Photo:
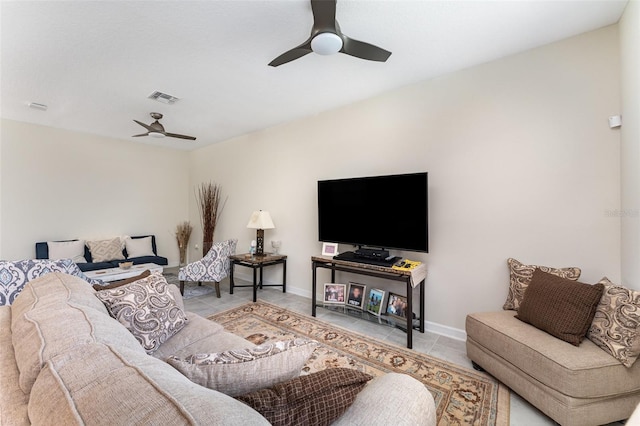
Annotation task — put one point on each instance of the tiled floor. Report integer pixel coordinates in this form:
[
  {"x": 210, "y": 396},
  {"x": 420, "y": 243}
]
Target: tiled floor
[{"x": 521, "y": 413}]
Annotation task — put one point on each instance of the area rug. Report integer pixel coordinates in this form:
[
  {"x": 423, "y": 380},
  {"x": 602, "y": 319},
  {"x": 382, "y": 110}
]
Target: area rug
[
  {"x": 191, "y": 289},
  {"x": 462, "y": 396}
]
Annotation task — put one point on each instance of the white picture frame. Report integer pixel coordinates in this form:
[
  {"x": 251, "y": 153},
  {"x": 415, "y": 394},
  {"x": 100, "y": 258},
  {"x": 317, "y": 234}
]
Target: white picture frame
[
  {"x": 334, "y": 293},
  {"x": 329, "y": 249},
  {"x": 375, "y": 301}
]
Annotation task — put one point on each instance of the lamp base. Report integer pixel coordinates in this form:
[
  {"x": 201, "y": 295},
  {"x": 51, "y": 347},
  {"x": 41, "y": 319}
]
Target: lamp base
[{"x": 260, "y": 242}]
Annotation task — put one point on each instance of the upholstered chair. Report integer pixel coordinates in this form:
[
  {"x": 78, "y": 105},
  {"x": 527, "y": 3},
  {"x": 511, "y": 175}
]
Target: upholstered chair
[
  {"x": 213, "y": 267},
  {"x": 15, "y": 274}
]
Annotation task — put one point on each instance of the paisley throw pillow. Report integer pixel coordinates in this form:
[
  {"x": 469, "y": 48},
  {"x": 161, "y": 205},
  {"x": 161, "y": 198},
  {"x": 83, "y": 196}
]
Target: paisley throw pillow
[
  {"x": 616, "y": 325},
  {"x": 147, "y": 309}
]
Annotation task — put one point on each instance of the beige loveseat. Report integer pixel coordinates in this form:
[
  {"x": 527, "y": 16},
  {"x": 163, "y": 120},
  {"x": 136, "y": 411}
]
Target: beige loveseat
[
  {"x": 64, "y": 360},
  {"x": 574, "y": 385}
]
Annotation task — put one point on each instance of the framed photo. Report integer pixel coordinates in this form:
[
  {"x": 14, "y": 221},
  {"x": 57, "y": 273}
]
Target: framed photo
[
  {"x": 329, "y": 249},
  {"x": 374, "y": 301},
  {"x": 355, "y": 296},
  {"x": 397, "y": 305},
  {"x": 335, "y": 293}
]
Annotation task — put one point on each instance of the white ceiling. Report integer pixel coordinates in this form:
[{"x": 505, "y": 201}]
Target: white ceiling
[{"x": 95, "y": 62}]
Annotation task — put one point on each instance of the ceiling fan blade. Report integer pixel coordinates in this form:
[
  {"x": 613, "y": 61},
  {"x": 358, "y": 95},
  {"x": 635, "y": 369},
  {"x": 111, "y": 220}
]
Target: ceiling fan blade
[
  {"x": 146, "y": 126},
  {"x": 363, "y": 50},
  {"x": 324, "y": 14},
  {"x": 175, "y": 135},
  {"x": 142, "y": 134},
  {"x": 293, "y": 54}
]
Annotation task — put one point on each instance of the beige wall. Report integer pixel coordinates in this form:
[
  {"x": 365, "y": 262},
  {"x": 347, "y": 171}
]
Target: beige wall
[
  {"x": 520, "y": 158},
  {"x": 630, "y": 132},
  {"x": 58, "y": 184}
]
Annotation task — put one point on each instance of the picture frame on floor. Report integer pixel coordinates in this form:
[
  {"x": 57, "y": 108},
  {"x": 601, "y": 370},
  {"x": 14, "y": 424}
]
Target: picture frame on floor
[
  {"x": 397, "y": 306},
  {"x": 375, "y": 301},
  {"x": 356, "y": 295},
  {"x": 335, "y": 293}
]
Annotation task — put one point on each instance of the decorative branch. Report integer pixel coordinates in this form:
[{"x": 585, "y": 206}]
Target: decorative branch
[
  {"x": 183, "y": 233},
  {"x": 208, "y": 196}
]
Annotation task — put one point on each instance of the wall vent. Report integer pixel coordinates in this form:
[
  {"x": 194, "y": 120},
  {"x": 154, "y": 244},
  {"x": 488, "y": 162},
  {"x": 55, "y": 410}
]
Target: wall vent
[{"x": 163, "y": 97}]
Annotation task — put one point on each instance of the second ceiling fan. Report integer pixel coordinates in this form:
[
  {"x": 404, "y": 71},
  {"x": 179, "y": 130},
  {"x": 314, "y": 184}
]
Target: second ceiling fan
[{"x": 326, "y": 38}]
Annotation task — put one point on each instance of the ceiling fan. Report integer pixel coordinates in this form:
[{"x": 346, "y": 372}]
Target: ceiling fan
[
  {"x": 156, "y": 129},
  {"x": 327, "y": 39}
]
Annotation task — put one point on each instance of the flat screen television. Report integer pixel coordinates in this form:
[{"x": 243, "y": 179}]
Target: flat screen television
[{"x": 386, "y": 212}]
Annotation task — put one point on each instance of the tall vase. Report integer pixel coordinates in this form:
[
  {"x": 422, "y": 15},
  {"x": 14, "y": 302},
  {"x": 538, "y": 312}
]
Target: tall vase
[
  {"x": 183, "y": 254},
  {"x": 206, "y": 246}
]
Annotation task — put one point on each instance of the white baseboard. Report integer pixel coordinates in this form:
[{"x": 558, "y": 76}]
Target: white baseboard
[
  {"x": 432, "y": 327},
  {"x": 445, "y": 330}
]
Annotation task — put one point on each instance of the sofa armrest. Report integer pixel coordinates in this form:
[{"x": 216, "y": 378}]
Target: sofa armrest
[{"x": 391, "y": 399}]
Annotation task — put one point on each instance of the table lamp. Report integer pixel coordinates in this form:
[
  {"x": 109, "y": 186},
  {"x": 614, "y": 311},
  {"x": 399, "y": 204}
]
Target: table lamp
[{"x": 260, "y": 220}]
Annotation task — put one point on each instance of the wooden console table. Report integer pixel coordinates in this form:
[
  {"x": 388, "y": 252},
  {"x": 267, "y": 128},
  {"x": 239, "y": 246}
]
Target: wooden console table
[
  {"x": 256, "y": 262},
  {"x": 374, "y": 271}
]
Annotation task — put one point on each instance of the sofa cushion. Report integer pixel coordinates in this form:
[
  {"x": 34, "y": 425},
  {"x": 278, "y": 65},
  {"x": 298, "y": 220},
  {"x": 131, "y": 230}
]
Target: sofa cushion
[
  {"x": 200, "y": 336},
  {"x": 158, "y": 260},
  {"x": 584, "y": 371},
  {"x": 57, "y": 312},
  {"x": 313, "y": 400},
  {"x": 96, "y": 266},
  {"x": 101, "y": 385},
  {"x": 13, "y": 402},
  {"x": 73, "y": 250},
  {"x": 520, "y": 275},
  {"x": 561, "y": 307},
  {"x": 106, "y": 250},
  {"x": 139, "y": 247},
  {"x": 147, "y": 309},
  {"x": 616, "y": 324},
  {"x": 235, "y": 372}
]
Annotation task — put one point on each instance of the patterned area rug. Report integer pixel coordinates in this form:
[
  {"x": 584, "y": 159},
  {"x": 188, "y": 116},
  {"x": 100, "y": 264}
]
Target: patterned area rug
[
  {"x": 462, "y": 396},
  {"x": 191, "y": 290}
]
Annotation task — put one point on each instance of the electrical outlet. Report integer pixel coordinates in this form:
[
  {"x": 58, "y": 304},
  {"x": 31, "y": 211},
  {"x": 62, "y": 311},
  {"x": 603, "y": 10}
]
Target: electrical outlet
[{"x": 196, "y": 247}]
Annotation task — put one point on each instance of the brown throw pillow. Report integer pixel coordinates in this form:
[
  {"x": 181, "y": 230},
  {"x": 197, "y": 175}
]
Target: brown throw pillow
[
  {"x": 561, "y": 307},
  {"x": 116, "y": 284},
  {"x": 313, "y": 400}
]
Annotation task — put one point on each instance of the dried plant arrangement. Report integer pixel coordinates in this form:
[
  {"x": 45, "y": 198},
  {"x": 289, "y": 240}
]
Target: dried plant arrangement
[
  {"x": 183, "y": 233},
  {"x": 208, "y": 196}
]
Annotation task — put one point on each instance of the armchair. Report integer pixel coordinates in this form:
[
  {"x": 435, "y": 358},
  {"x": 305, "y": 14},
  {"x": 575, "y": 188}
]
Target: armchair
[{"x": 213, "y": 267}]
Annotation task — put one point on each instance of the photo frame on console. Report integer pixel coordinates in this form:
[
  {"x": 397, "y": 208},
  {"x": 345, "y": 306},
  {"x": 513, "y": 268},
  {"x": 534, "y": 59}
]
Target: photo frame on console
[
  {"x": 329, "y": 249},
  {"x": 375, "y": 301},
  {"x": 397, "y": 306},
  {"x": 335, "y": 294},
  {"x": 356, "y": 295}
]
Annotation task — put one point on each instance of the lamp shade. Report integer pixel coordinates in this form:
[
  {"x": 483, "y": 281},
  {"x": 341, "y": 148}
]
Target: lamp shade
[{"x": 260, "y": 220}]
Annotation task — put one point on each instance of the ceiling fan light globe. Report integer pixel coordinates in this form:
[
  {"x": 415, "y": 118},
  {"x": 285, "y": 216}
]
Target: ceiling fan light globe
[
  {"x": 326, "y": 44},
  {"x": 156, "y": 135}
]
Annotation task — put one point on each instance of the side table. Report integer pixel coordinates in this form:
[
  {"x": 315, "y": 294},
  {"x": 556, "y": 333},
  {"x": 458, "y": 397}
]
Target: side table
[{"x": 258, "y": 262}]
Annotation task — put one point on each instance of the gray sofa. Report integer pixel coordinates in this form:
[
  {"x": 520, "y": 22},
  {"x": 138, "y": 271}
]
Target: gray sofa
[
  {"x": 574, "y": 385},
  {"x": 65, "y": 360}
]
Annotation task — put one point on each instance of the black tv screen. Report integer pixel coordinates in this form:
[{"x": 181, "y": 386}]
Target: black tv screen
[{"x": 380, "y": 212}]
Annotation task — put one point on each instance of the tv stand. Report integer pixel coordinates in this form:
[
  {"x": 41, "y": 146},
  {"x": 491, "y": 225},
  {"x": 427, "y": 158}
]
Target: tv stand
[{"x": 374, "y": 271}]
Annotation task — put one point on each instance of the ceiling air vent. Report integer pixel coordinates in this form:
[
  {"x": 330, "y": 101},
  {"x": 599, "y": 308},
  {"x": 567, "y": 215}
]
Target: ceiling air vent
[{"x": 163, "y": 97}]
